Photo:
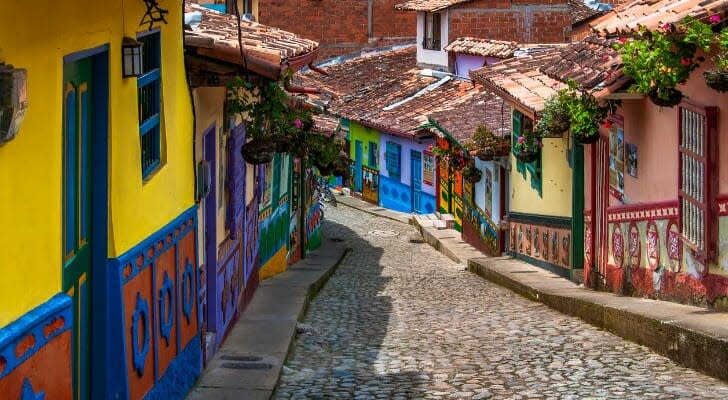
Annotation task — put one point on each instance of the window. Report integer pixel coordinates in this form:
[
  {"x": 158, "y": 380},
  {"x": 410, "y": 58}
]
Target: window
[
  {"x": 522, "y": 123},
  {"x": 373, "y": 155},
  {"x": 697, "y": 180},
  {"x": 431, "y": 40},
  {"x": 150, "y": 99},
  {"x": 394, "y": 151}
]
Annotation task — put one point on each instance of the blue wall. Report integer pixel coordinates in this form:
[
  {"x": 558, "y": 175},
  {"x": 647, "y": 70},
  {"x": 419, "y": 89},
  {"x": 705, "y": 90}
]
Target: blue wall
[{"x": 394, "y": 195}]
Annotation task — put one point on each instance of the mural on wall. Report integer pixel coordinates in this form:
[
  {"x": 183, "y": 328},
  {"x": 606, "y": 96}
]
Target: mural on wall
[
  {"x": 428, "y": 168},
  {"x": 616, "y": 157},
  {"x": 646, "y": 256},
  {"x": 541, "y": 242},
  {"x": 273, "y": 227},
  {"x": 488, "y": 192},
  {"x": 480, "y": 231}
]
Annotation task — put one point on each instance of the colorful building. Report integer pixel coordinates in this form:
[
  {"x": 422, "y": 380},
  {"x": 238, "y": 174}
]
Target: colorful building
[
  {"x": 100, "y": 291},
  {"x": 655, "y": 226},
  {"x": 245, "y": 210},
  {"x": 477, "y": 207},
  {"x": 546, "y": 201}
]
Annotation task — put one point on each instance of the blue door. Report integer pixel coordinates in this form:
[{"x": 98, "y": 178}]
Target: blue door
[
  {"x": 210, "y": 226},
  {"x": 358, "y": 173},
  {"x": 416, "y": 176}
]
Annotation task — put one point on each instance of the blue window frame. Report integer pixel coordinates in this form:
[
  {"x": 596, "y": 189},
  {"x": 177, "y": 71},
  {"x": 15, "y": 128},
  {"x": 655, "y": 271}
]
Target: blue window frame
[
  {"x": 394, "y": 152},
  {"x": 150, "y": 100},
  {"x": 373, "y": 155}
]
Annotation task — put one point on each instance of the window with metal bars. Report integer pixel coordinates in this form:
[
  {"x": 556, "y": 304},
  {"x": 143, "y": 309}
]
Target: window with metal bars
[
  {"x": 150, "y": 99},
  {"x": 697, "y": 179}
]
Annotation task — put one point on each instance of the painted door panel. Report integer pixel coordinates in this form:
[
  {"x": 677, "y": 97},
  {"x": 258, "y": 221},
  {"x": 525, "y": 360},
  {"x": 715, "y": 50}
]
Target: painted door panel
[
  {"x": 210, "y": 229},
  {"x": 358, "y": 173},
  {"x": 76, "y": 200},
  {"x": 416, "y": 176}
]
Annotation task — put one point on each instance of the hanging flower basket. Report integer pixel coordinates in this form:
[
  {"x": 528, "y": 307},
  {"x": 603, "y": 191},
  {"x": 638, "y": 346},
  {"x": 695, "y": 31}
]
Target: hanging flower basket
[
  {"x": 259, "y": 151},
  {"x": 589, "y": 139},
  {"x": 716, "y": 80},
  {"x": 527, "y": 155},
  {"x": 472, "y": 174},
  {"x": 499, "y": 149},
  {"x": 671, "y": 97}
]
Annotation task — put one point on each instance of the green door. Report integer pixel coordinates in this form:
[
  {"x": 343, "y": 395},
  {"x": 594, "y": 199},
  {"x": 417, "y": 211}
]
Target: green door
[{"x": 76, "y": 208}]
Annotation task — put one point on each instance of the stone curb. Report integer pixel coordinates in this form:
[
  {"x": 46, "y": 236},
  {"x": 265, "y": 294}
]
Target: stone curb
[{"x": 691, "y": 348}]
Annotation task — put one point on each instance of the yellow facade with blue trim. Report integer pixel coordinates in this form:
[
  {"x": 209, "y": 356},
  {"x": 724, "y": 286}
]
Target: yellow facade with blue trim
[{"x": 139, "y": 227}]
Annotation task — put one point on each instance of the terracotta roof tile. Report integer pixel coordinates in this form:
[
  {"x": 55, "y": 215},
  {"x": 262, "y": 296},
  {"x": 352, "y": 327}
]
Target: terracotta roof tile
[
  {"x": 581, "y": 12},
  {"x": 216, "y": 36},
  {"x": 629, "y": 17},
  {"x": 482, "y": 47},
  {"x": 530, "y": 80},
  {"x": 387, "y": 92},
  {"x": 487, "y": 109},
  {"x": 427, "y": 5}
]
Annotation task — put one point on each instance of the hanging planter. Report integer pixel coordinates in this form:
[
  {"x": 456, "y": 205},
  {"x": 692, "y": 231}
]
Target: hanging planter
[
  {"x": 527, "y": 155},
  {"x": 555, "y": 119},
  {"x": 258, "y": 151},
  {"x": 669, "y": 97},
  {"x": 586, "y": 139},
  {"x": 472, "y": 174},
  {"x": 716, "y": 80}
]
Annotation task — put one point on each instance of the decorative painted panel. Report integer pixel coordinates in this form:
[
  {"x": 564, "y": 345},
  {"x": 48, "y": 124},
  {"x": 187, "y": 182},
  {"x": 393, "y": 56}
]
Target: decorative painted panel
[
  {"x": 35, "y": 352},
  {"x": 159, "y": 308},
  {"x": 542, "y": 240},
  {"x": 480, "y": 231},
  {"x": 370, "y": 190},
  {"x": 654, "y": 263},
  {"x": 395, "y": 195}
]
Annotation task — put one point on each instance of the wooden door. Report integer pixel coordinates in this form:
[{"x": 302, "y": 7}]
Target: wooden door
[{"x": 76, "y": 210}]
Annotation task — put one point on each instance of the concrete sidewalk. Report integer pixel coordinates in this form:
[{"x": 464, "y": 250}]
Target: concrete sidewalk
[
  {"x": 691, "y": 336},
  {"x": 249, "y": 363},
  {"x": 373, "y": 209}
]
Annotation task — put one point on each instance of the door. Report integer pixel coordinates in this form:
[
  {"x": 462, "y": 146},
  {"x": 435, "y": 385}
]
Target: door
[
  {"x": 210, "y": 225},
  {"x": 600, "y": 193},
  {"x": 416, "y": 177},
  {"x": 358, "y": 172},
  {"x": 77, "y": 213}
]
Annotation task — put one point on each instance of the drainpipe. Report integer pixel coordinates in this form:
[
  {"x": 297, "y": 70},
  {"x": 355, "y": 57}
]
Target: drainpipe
[
  {"x": 299, "y": 89},
  {"x": 370, "y": 12}
]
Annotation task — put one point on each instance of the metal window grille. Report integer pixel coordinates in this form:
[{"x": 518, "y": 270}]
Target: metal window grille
[
  {"x": 149, "y": 100},
  {"x": 393, "y": 159},
  {"x": 431, "y": 40},
  {"x": 697, "y": 150}
]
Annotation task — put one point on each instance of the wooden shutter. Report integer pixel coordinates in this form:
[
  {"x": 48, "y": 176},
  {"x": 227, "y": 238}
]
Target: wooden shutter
[
  {"x": 697, "y": 179},
  {"x": 393, "y": 159}
]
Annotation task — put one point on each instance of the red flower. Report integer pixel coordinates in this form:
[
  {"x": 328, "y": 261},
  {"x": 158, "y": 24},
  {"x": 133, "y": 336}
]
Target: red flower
[
  {"x": 607, "y": 124},
  {"x": 605, "y": 58},
  {"x": 666, "y": 27},
  {"x": 622, "y": 40},
  {"x": 686, "y": 62}
]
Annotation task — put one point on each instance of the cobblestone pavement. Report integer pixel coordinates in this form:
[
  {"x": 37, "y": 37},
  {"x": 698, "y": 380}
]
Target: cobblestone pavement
[{"x": 398, "y": 320}]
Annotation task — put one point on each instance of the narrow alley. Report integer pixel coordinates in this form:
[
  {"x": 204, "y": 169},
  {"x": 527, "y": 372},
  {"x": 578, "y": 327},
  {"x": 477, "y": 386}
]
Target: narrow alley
[{"x": 400, "y": 320}]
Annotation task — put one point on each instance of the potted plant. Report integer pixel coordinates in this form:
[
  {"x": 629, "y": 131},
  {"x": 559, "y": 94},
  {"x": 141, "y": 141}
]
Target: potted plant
[
  {"x": 472, "y": 174},
  {"x": 486, "y": 145},
  {"x": 323, "y": 152},
  {"x": 711, "y": 40},
  {"x": 554, "y": 117},
  {"x": 585, "y": 113},
  {"x": 272, "y": 124},
  {"x": 453, "y": 156},
  {"x": 658, "y": 61},
  {"x": 527, "y": 147}
]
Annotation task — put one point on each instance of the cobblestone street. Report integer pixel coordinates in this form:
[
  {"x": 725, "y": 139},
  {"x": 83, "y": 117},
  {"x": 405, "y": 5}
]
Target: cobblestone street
[{"x": 400, "y": 320}]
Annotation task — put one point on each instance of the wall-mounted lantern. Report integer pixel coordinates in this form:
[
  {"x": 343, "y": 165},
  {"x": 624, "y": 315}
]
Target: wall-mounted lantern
[
  {"x": 13, "y": 101},
  {"x": 131, "y": 57}
]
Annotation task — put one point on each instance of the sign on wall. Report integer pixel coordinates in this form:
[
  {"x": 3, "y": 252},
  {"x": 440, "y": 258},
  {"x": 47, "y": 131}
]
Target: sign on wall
[{"x": 428, "y": 163}]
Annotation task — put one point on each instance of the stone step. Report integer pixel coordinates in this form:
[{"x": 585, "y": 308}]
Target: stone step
[{"x": 439, "y": 224}]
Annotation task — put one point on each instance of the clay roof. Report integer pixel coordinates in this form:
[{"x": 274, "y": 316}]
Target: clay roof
[
  {"x": 427, "y": 5},
  {"x": 267, "y": 50},
  {"x": 482, "y": 47},
  {"x": 325, "y": 124},
  {"x": 388, "y": 92},
  {"x": 484, "y": 110},
  {"x": 530, "y": 80},
  {"x": 629, "y": 17},
  {"x": 581, "y": 12}
]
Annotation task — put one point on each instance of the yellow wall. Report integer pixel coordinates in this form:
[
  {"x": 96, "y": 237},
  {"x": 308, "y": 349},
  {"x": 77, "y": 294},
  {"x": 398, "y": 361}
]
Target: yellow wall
[
  {"x": 366, "y": 135},
  {"x": 275, "y": 265},
  {"x": 37, "y": 38},
  {"x": 556, "y": 176}
]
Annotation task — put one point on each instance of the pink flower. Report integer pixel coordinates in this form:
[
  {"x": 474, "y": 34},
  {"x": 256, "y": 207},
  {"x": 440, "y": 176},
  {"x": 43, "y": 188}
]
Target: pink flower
[
  {"x": 429, "y": 148},
  {"x": 521, "y": 140},
  {"x": 666, "y": 27},
  {"x": 539, "y": 143},
  {"x": 605, "y": 58},
  {"x": 622, "y": 40},
  {"x": 686, "y": 62},
  {"x": 297, "y": 123},
  {"x": 714, "y": 19}
]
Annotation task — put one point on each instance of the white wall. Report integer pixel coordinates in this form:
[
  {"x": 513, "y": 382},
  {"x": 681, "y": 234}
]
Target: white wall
[
  {"x": 432, "y": 57},
  {"x": 479, "y": 189}
]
